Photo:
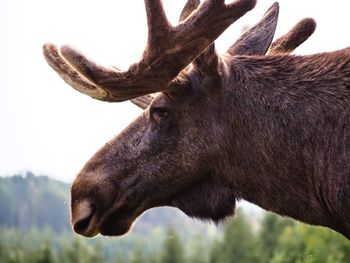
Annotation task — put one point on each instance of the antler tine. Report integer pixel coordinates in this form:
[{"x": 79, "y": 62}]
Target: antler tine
[
  {"x": 207, "y": 60},
  {"x": 295, "y": 37},
  {"x": 188, "y": 9},
  {"x": 156, "y": 17},
  {"x": 212, "y": 17},
  {"x": 169, "y": 50},
  {"x": 70, "y": 75},
  {"x": 158, "y": 24}
]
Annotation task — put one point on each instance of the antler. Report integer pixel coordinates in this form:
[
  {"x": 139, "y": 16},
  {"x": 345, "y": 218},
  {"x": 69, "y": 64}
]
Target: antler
[
  {"x": 255, "y": 41},
  {"x": 169, "y": 50},
  {"x": 144, "y": 101},
  {"x": 295, "y": 37}
]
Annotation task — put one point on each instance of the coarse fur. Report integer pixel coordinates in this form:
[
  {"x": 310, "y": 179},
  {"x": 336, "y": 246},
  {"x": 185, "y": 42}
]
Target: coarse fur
[{"x": 271, "y": 129}]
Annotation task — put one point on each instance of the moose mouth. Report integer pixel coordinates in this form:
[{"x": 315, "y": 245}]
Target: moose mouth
[{"x": 118, "y": 222}]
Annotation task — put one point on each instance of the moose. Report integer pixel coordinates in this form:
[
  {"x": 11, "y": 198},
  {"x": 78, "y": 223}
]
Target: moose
[{"x": 255, "y": 123}]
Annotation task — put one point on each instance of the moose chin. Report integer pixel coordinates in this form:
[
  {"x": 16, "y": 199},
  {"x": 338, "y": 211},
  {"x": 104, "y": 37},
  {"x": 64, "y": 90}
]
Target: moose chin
[{"x": 255, "y": 123}]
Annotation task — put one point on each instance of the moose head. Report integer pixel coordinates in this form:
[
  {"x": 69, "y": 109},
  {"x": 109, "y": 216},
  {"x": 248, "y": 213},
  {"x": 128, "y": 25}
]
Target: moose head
[{"x": 255, "y": 123}]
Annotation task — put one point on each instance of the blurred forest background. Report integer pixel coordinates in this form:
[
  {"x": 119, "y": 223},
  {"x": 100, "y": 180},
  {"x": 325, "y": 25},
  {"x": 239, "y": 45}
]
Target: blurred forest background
[
  {"x": 40, "y": 113},
  {"x": 34, "y": 228}
]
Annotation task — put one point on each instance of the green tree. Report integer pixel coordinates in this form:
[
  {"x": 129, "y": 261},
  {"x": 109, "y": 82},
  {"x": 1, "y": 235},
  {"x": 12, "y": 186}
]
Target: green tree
[
  {"x": 75, "y": 251},
  {"x": 302, "y": 243},
  {"x": 272, "y": 227},
  {"x": 197, "y": 253},
  {"x": 97, "y": 253},
  {"x": 45, "y": 254},
  {"x": 173, "y": 251},
  {"x": 215, "y": 251},
  {"x": 239, "y": 243},
  {"x": 138, "y": 255}
]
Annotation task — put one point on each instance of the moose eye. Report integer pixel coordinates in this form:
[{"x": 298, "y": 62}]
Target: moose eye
[{"x": 158, "y": 113}]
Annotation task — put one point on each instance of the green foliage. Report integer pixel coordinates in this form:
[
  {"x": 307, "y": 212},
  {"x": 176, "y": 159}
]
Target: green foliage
[
  {"x": 173, "y": 251},
  {"x": 238, "y": 243},
  {"x": 292, "y": 243},
  {"x": 272, "y": 228},
  {"x": 45, "y": 254},
  {"x": 197, "y": 253},
  {"x": 301, "y": 243},
  {"x": 138, "y": 255}
]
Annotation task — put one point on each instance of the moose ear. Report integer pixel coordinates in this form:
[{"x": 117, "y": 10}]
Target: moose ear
[{"x": 257, "y": 40}]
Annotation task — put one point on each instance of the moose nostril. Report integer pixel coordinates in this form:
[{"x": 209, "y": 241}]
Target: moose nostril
[{"x": 82, "y": 224}]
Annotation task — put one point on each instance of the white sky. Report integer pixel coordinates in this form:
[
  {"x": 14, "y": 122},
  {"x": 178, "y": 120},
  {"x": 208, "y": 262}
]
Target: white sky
[{"x": 49, "y": 128}]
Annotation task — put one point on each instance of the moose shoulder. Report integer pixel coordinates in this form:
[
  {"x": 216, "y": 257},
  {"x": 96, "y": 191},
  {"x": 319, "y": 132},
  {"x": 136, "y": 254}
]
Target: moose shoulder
[{"x": 255, "y": 123}]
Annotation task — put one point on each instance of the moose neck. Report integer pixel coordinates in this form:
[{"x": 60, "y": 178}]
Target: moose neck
[{"x": 280, "y": 129}]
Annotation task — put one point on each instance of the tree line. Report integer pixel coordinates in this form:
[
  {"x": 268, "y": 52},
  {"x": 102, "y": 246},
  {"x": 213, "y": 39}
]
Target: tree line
[{"x": 276, "y": 240}]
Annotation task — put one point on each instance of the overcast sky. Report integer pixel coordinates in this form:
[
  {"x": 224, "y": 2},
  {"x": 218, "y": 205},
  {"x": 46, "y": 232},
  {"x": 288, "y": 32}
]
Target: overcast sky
[{"x": 49, "y": 128}]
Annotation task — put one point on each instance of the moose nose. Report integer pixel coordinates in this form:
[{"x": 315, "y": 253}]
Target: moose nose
[{"x": 83, "y": 218}]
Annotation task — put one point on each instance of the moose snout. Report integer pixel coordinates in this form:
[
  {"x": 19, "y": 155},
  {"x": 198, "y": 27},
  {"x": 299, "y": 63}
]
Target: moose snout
[{"x": 83, "y": 218}]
